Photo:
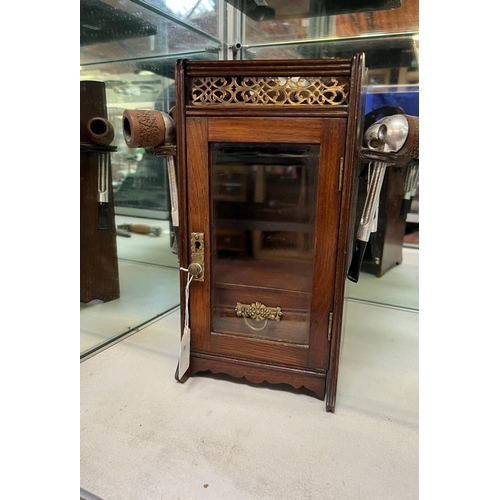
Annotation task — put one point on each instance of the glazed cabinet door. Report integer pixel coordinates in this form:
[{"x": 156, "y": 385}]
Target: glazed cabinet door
[{"x": 263, "y": 198}]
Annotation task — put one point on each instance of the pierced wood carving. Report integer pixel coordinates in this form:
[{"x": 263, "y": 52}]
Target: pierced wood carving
[{"x": 294, "y": 91}]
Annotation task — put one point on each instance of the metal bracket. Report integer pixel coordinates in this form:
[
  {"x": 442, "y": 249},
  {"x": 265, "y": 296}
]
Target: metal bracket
[
  {"x": 341, "y": 173},
  {"x": 330, "y": 324}
]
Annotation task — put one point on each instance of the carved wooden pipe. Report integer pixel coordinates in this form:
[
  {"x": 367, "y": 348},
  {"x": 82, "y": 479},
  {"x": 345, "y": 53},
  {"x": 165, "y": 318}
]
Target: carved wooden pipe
[
  {"x": 143, "y": 128},
  {"x": 142, "y": 229},
  {"x": 397, "y": 137},
  {"x": 101, "y": 131}
]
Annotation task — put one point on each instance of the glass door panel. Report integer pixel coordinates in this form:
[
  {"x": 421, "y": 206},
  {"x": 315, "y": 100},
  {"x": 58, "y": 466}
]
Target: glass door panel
[{"x": 263, "y": 212}]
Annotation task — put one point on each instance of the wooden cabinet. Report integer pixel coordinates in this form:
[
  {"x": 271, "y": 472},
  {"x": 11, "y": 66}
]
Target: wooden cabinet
[{"x": 266, "y": 158}]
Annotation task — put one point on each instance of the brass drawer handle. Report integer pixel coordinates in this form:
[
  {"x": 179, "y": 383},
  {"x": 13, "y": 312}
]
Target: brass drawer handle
[{"x": 258, "y": 311}]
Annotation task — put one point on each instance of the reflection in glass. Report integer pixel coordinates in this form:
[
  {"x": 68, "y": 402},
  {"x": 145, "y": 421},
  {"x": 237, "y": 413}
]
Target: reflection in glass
[
  {"x": 304, "y": 20},
  {"x": 263, "y": 226},
  {"x": 138, "y": 30},
  {"x": 201, "y": 14}
]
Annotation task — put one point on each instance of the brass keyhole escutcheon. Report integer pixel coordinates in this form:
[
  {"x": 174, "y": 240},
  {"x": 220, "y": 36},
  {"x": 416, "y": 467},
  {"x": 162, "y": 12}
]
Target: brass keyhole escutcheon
[{"x": 197, "y": 266}]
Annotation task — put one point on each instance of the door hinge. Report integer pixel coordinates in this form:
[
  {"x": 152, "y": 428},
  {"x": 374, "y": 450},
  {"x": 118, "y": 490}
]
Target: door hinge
[
  {"x": 341, "y": 172},
  {"x": 330, "y": 323}
]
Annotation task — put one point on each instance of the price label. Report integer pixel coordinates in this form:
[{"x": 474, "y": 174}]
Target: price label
[{"x": 184, "y": 352}]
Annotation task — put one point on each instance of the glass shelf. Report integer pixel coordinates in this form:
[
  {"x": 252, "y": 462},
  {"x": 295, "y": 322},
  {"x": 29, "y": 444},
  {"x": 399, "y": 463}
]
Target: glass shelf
[
  {"x": 199, "y": 16},
  {"x": 136, "y": 30}
]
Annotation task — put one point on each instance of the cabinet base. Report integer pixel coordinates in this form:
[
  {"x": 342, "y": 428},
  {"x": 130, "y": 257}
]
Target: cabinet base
[{"x": 257, "y": 373}]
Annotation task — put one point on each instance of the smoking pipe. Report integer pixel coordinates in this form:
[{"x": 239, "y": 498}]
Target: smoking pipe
[{"x": 391, "y": 141}]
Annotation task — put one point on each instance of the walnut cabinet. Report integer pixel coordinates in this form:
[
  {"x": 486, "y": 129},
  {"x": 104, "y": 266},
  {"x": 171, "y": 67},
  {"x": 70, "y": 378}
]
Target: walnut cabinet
[{"x": 267, "y": 168}]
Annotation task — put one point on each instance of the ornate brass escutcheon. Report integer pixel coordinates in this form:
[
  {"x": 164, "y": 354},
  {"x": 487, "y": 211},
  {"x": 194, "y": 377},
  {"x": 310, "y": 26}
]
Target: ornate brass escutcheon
[
  {"x": 197, "y": 256},
  {"x": 258, "y": 311}
]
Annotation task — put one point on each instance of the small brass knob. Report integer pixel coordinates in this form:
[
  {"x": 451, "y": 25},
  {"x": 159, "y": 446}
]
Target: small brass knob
[{"x": 195, "y": 269}]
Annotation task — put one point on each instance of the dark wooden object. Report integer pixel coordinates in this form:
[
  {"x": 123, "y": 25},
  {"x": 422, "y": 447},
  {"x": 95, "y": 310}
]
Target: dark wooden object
[
  {"x": 336, "y": 129},
  {"x": 385, "y": 247},
  {"x": 98, "y": 253}
]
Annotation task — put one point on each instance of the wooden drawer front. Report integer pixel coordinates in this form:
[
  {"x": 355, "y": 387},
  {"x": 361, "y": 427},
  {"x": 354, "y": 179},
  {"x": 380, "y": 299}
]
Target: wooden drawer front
[{"x": 293, "y": 326}]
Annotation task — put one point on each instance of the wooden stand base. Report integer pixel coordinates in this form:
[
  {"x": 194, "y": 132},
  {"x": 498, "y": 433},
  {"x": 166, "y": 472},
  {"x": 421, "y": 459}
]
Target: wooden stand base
[
  {"x": 385, "y": 248},
  {"x": 98, "y": 252},
  {"x": 257, "y": 373}
]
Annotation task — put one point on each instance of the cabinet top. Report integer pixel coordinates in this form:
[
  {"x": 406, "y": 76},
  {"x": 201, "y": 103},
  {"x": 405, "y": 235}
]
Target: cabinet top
[
  {"x": 281, "y": 67},
  {"x": 312, "y": 83}
]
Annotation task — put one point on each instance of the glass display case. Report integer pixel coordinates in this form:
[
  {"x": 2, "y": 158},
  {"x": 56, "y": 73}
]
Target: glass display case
[{"x": 132, "y": 47}]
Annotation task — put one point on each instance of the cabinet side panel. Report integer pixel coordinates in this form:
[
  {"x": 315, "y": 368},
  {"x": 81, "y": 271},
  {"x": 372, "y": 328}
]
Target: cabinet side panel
[
  {"x": 392, "y": 239},
  {"x": 351, "y": 167},
  {"x": 180, "y": 125}
]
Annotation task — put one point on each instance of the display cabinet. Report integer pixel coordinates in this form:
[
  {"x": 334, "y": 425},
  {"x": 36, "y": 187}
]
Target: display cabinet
[{"x": 267, "y": 168}]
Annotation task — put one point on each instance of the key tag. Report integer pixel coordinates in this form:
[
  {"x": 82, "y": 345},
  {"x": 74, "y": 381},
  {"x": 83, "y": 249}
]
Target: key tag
[{"x": 185, "y": 347}]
